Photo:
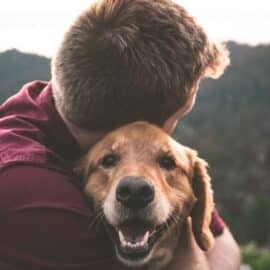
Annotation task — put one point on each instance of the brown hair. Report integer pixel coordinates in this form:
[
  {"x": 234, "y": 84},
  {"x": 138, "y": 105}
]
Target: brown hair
[{"x": 128, "y": 60}]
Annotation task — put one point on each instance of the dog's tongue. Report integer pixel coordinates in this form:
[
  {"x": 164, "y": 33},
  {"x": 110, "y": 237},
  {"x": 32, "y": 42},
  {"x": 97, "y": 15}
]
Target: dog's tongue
[{"x": 134, "y": 232}]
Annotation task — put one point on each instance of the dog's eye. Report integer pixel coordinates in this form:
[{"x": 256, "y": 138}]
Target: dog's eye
[
  {"x": 109, "y": 160},
  {"x": 167, "y": 162}
]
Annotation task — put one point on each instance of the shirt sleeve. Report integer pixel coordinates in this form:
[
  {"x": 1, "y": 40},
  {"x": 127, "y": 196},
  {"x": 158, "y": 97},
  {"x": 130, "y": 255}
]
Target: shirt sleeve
[
  {"x": 217, "y": 225},
  {"x": 46, "y": 224}
]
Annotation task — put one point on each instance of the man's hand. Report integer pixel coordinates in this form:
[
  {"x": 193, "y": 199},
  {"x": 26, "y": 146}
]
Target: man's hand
[{"x": 225, "y": 254}]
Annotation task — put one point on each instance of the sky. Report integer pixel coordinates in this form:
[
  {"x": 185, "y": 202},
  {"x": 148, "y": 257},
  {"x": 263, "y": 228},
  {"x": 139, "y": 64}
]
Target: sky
[{"x": 37, "y": 26}]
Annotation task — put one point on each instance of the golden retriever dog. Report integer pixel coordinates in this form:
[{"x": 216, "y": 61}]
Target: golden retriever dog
[{"x": 154, "y": 194}]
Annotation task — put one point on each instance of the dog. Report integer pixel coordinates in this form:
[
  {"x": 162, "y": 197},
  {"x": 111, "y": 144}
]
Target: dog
[{"x": 154, "y": 194}]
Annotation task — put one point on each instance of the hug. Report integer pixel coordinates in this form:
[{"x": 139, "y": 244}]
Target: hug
[{"x": 89, "y": 175}]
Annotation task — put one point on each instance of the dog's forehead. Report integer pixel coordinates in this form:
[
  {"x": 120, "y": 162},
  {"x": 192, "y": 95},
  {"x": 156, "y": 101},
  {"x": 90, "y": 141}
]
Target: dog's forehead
[
  {"x": 142, "y": 135},
  {"x": 139, "y": 133}
]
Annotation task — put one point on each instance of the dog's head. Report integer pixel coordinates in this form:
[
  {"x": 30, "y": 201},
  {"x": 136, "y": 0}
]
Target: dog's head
[{"x": 145, "y": 182}]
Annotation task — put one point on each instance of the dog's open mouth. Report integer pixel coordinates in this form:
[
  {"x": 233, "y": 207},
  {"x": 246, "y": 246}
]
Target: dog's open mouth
[{"x": 134, "y": 239}]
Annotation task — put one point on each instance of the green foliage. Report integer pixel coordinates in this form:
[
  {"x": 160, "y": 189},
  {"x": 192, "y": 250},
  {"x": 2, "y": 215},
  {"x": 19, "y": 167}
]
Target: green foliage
[
  {"x": 256, "y": 220},
  {"x": 252, "y": 221},
  {"x": 258, "y": 259}
]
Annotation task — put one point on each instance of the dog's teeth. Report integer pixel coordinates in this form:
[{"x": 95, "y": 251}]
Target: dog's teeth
[
  {"x": 133, "y": 245},
  {"x": 122, "y": 239},
  {"x": 125, "y": 243},
  {"x": 121, "y": 236},
  {"x": 145, "y": 238}
]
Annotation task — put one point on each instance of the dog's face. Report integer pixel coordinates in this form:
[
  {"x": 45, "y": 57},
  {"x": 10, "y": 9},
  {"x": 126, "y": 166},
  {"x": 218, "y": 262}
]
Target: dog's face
[{"x": 144, "y": 182}]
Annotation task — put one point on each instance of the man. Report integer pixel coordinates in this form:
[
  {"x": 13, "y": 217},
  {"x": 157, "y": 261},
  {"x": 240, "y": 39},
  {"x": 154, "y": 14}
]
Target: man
[{"x": 121, "y": 61}]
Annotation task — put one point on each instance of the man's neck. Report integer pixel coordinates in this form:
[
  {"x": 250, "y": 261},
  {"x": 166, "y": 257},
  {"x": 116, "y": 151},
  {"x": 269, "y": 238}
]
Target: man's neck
[{"x": 85, "y": 138}]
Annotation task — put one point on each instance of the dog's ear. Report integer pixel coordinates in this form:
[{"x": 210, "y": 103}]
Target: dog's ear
[
  {"x": 216, "y": 59},
  {"x": 82, "y": 168},
  {"x": 204, "y": 206}
]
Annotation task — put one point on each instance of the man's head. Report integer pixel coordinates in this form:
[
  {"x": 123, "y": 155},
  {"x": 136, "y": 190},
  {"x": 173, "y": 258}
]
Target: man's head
[{"x": 128, "y": 60}]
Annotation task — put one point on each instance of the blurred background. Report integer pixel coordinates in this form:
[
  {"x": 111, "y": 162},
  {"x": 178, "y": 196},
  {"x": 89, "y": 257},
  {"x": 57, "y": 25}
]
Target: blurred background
[{"x": 230, "y": 125}]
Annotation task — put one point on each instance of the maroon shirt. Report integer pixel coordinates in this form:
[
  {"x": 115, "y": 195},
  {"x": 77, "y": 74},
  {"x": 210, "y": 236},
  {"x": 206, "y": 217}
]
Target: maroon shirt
[{"x": 45, "y": 221}]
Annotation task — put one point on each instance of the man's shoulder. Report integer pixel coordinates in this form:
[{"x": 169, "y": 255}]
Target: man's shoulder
[
  {"x": 31, "y": 131},
  {"x": 34, "y": 186},
  {"x": 42, "y": 208}
]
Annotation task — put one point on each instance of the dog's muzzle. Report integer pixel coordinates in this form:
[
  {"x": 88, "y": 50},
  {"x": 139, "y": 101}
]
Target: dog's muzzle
[
  {"x": 134, "y": 194},
  {"x": 137, "y": 230}
]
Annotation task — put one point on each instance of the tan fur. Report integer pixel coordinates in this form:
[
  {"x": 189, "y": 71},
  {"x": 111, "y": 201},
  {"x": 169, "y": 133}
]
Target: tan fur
[{"x": 185, "y": 189}]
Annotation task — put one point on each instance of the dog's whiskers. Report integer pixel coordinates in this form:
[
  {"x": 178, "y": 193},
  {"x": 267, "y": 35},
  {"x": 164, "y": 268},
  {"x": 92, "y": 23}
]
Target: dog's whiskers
[
  {"x": 97, "y": 219},
  {"x": 177, "y": 220}
]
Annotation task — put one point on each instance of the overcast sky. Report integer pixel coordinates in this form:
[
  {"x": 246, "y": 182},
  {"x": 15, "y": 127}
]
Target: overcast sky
[{"x": 37, "y": 26}]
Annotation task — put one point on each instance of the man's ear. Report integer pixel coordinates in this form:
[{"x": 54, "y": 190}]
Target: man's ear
[
  {"x": 202, "y": 211},
  {"x": 216, "y": 59}
]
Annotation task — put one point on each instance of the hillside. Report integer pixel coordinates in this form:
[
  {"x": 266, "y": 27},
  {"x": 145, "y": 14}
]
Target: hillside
[
  {"x": 230, "y": 126},
  {"x": 17, "y": 68}
]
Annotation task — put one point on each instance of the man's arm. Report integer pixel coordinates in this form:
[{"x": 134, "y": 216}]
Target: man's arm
[
  {"x": 225, "y": 255},
  {"x": 45, "y": 224}
]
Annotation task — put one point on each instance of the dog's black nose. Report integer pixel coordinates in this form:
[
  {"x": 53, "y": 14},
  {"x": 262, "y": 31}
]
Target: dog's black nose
[{"x": 134, "y": 192}]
